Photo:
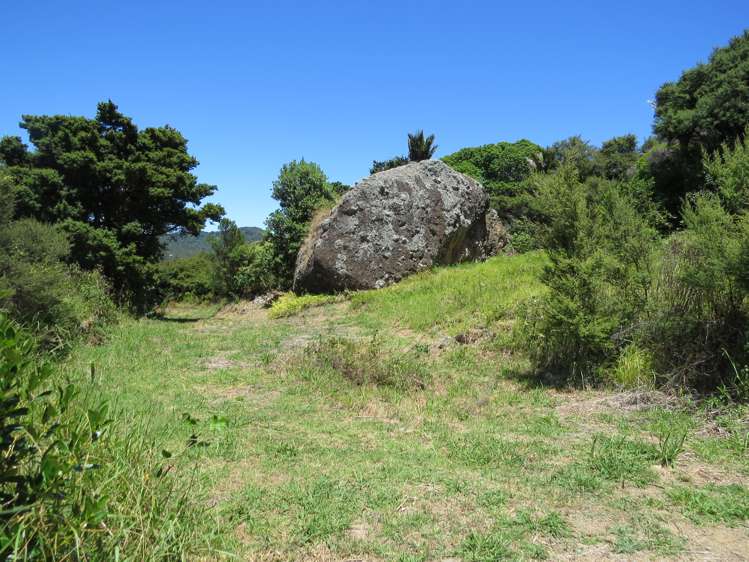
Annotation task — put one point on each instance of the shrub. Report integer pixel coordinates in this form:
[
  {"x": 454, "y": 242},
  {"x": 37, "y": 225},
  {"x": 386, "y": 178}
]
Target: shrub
[
  {"x": 55, "y": 300},
  {"x": 255, "y": 274},
  {"x": 366, "y": 363},
  {"x": 727, "y": 173},
  {"x": 74, "y": 487},
  {"x": 47, "y": 475},
  {"x": 600, "y": 236},
  {"x": 187, "y": 278},
  {"x": 695, "y": 320}
]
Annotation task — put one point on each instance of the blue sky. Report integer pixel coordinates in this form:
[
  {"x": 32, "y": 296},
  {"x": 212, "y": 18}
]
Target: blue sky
[{"x": 255, "y": 84}]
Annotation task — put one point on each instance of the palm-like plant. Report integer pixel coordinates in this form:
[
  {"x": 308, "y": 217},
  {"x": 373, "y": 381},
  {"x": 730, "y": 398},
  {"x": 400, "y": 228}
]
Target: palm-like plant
[{"x": 420, "y": 147}]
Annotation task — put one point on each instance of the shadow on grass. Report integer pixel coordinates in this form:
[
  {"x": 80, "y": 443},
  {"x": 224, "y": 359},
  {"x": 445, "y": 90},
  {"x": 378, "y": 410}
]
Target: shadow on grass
[
  {"x": 531, "y": 379},
  {"x": 180, "y": 319}
]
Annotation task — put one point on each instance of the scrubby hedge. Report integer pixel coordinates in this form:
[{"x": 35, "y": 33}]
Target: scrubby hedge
[{"x": 624, "y": 296}]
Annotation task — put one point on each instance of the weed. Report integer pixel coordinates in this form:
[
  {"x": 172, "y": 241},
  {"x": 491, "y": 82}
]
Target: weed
[
  {"x": 367, "y": 362},
  {"x": 713, "y": 503},
  {"x": 619, "y": 459},
  {"x": 486, "y": 547},
  {"x": 645, "y": 535},
  {"x": 290, "y": 304},
  {"x": 671, "y": 444}
]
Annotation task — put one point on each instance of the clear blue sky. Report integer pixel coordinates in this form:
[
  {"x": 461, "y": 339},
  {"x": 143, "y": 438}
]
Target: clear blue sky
[{"x": 254, "y": 84}]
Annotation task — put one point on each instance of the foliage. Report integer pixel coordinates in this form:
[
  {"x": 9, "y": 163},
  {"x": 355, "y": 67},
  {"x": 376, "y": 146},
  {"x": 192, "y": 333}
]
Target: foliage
[
  {"x": 301, "y": 188},
  {"x": 74, "y": 485},
  {"x": 255, "y": 275},
  {"x": 707, "y": 107},
  {"x": 227, "y": 257},
  {"x": 420, "y": 147},
  {"x": 695, "y": 319},
  {"x": 366, "y": 363},
  {"x": 617, "y": 158},
  {"x": 574, "y": 151},
  {"x": 48, "y": 475},
  {"x": 727, "y": 173},
  {"x": 501, "y": 168},
  {"x": 114, "y": 188},
  {"x": 290, "y": 304},
  {"x": 394, "y": 162},
  {"x": 55, "y": 300},
  {"x": 189, "y": 278},
  {"x": 600, "y": 236},
  {"x": 709, "y": 104}
]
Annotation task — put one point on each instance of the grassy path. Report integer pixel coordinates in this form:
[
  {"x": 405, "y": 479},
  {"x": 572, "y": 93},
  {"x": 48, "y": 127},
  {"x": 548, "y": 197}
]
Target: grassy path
[{"x": 363, "y": 430}]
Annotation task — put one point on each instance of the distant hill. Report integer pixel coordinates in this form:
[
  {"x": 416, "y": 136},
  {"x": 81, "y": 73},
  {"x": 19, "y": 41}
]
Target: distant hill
[{"x": 184, "y": 246}]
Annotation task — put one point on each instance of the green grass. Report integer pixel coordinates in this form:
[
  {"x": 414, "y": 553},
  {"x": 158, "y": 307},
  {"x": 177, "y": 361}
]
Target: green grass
[
  {"x": 713, "y": 503},
  {"x": 290, "y": 304},
  {"x": 364, "y": 430}
]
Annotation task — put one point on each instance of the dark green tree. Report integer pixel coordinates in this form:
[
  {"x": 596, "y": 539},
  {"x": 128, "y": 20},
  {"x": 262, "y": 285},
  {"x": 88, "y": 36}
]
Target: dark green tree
[
  {"x": 706, "y": 107},
  {"x": 112, "y": 187},
  {"x": 617, "y": 158},
  {"x": 301, "y": 189},
  {"x": 501, "y": 168},
  {"x": 709, "y": 104},
  {"x": 382, "y": 165},
  {"x": 575, "y": 151},
  {"x": 227, "y": 257},
  {"x": 420, "y": 147}
]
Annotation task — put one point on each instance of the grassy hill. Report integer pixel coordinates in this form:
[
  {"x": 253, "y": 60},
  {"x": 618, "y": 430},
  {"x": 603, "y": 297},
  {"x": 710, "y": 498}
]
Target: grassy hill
[
  {"x": 184, "y": 246},
  {"x": 401, "y": 424}
]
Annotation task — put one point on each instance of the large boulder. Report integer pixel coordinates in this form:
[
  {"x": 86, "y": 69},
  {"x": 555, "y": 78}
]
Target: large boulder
[{"x": 392, "y": 224}]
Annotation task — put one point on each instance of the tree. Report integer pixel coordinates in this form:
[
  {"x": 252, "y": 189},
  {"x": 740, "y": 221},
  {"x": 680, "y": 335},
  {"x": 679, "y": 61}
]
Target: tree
[
  {"x": 227, "y": 257},
  {"x": 573, "y": 150},
  {"x": 420, "y": 147},
  {"x": 382, "y": 165},
  {"x": 706, "y": 107},
  {"x": 709, "y": 104},
  {"x": 617, "y": 158},
  {"x": 501, "y": 168},
  {"x": 301, "y": 189},
  {"x": 112, "y": 187}
]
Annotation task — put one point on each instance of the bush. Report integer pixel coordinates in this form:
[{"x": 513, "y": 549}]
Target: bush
[
  {"x": 695, "y": 320},
  {"x": 366, "y": 363},
  {"x": 600, "y": 236},
  {"x": 72, "y": 486},
  {"x": 57, "y": 301},
  {"x": 187, "y": 278},
  {"x": 47, "y": 474},
  {"x": 255, "y": 276},
  {"x": 727, "y": 173}
]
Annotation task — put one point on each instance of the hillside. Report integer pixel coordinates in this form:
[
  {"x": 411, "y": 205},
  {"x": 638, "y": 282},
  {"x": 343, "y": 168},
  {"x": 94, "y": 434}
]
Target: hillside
[
  {"x": 401, "y": 424},
  {"x": 184, "y": 246}
]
